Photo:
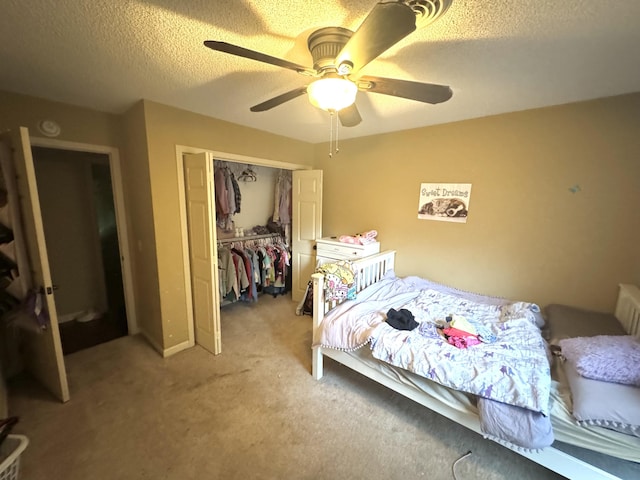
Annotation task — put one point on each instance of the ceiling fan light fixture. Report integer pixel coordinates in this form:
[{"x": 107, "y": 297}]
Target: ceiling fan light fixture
[{"x": 332, "y": 94}]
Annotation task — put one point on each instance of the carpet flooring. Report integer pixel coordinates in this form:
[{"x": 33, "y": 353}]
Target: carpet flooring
[{"x": 252, "y": 412}]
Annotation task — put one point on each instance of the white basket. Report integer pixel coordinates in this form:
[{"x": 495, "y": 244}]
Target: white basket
[{"x": 10, "y": 452}]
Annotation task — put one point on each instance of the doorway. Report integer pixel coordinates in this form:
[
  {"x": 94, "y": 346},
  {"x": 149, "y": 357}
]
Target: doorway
[{"x": 78, "y": 213}]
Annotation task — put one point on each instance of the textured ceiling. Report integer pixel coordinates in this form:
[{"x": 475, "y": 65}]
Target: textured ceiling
[{"x": 497, "y": 56}]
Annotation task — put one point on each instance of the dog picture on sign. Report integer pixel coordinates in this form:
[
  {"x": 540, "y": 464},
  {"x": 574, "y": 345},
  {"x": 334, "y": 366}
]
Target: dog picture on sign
[{"x": 444, "y": 202}]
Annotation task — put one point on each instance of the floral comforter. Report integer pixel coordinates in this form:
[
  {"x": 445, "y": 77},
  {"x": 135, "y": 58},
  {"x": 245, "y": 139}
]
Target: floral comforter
[{"x": 514, "y": 369}]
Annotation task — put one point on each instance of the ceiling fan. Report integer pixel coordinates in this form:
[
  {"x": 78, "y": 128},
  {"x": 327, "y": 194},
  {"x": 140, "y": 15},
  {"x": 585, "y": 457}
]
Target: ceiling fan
[{"x": 339, "y": 54}]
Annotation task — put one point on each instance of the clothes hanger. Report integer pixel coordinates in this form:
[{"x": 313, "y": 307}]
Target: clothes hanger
[{"x": 248, "y": 175}]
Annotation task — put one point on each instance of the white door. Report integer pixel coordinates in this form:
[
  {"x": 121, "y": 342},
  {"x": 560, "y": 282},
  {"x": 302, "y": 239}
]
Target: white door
[
  {"x": 203, "y": 255},
  {"x": 43, "y": 355},
  {"x": 306, "y": 199}
]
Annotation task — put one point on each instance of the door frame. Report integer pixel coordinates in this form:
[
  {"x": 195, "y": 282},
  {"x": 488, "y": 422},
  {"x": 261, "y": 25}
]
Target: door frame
[
  {"x": 227, "y": 157},
  {"x": 120, "y": 211}
]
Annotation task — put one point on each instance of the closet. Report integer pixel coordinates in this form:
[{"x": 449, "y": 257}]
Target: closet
[
  {"x": 208, "y": 233},
  {"x": 253, "y": 228}
]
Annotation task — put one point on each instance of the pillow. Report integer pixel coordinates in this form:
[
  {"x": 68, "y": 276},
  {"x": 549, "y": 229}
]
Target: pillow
[
  {"x": 609, "y": 358},
  {"x": 566, "y": 322},
  {"x": 610, "y": 405}
]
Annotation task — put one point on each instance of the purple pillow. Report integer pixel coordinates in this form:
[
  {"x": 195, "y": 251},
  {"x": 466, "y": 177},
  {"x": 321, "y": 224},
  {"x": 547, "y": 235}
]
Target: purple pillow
[{"x": 607, "y": 358}]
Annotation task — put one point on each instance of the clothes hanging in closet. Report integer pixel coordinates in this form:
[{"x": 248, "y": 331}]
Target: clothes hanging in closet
[
  {"x": 247, "y": 268},
  {"x": 282, "y": 202},
  {"x": 228, "y": 197}
]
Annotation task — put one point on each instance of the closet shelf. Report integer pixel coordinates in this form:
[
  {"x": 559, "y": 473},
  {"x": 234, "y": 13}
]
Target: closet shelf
[{"x": 248, "y": 237}]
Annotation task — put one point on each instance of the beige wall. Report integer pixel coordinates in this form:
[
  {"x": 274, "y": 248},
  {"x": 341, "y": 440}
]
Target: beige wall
[
  {"x": 77, "y": 124},
  {"x": 142, "y": 241},
  {"x": 167, "y": 127},
  {"x": 527, "y": 236}
]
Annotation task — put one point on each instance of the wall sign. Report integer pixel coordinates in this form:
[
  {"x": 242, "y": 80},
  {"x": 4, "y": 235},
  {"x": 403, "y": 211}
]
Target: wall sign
[{"x": 445, "y": 202}]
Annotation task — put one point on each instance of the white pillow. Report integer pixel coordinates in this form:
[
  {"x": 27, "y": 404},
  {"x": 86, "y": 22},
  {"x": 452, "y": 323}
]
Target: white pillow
[{"x": 610, "y": 405}]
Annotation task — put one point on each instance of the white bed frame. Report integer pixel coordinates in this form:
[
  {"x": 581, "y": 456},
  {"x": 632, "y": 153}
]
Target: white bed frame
[{"x": 371, "y": 269}]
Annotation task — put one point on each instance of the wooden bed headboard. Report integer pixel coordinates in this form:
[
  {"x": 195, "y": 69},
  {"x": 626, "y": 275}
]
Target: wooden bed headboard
[{"x": 628, "y": 308}]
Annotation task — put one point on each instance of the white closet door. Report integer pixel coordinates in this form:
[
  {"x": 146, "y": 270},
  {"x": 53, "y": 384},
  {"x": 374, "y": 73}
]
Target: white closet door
[
  {"x": 203, "y": 255},
  {"x": 43, "y": 355},
  {"x": 306, "y": 227}
]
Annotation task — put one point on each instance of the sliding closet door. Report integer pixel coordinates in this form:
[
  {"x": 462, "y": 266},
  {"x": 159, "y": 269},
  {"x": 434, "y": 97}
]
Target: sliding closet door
[
  {"x": 198, "y": 175},
  {"x": 306, "y": 199},
  {"x": 42, "y": 351}
]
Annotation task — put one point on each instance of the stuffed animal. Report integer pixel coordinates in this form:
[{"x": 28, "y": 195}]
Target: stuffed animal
[{"x": 360, "y": 238}]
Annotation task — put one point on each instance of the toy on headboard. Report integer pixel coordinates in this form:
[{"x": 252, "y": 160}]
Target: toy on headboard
[
  {"x": 360, "y": 238},
  {"x": 339, "y": 280}
]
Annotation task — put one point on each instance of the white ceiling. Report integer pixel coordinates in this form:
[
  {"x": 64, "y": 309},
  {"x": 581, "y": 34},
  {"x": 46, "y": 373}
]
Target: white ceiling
[{"x": 498, "y": 56}]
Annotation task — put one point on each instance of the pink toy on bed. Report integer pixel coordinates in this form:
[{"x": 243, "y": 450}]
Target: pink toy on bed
[{"x": 360, "y": 238}]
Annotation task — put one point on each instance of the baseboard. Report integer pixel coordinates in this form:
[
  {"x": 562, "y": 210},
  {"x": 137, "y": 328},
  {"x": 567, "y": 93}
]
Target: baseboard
[{"x": 167, "y": 352}]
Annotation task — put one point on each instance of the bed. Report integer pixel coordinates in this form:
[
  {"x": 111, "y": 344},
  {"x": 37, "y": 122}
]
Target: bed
[{"x": 571, "y": 452}]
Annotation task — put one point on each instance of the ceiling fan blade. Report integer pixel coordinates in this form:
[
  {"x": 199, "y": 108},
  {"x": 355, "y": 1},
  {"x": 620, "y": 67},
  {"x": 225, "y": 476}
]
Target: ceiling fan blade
[
  {"x": 279, "y": 100},
  {"x": 349, "y": 116},
  {"x": 260, "y": 57},
  {"x": 421, "y": 92},
  {"x": 386, "y": 25}
]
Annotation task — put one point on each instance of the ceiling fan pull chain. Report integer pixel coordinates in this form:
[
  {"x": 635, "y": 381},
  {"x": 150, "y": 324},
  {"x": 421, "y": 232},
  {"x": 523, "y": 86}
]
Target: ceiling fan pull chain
[
  {"x": 330, "y": 133},
  {"x": 337, "y": 134}
]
